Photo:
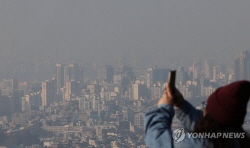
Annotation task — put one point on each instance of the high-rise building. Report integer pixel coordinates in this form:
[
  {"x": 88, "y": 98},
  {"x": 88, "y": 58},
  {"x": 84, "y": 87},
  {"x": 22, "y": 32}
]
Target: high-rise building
[
  {"x": 70, "y": 90},
  {"x": 156, "y": 75},
  {"x": 181, "y": 76},
  {"x": 73, "y": 72},
  {"x": 242, "y": 65},
  {"x": 216, "y": 72},
  {"x": 204, "y": 81},
  {"x": 25, "y": 104},
  {"x": 150, "y": 77},
  {"x": 208, "y": 69},
  {"x": 139, "y": 120},
  {"x": 10, "y": 87},
  {"x": 95, "y": 103},
  {"x": 194, "y": 71},
  {"x": 126, "y": 70},
  {"x": 94, "y": 88},
  {"x": 236, "y": 69},
  {"x": 128, "y": 114},
  {"x": 106, "y": 72},
  {"x": 156, "y": 90},
  {"x": 59, "y": 75},
  {"x": 138, "y": 90},
  {"x": 48, "y": 92},
  {"x": 85, "y": 104},
  {"x": 124, "y": 75},
  {"x": 82, "y": 101},
  {"x": 10, "y": 83},
  {"x": 81, "y": 75},
  {"x": 66, "y": 75},
  {"x": 16, "y": 100},
  {"x": 34, "y": 99},
  {"x": 70, "y": 87},
  {"x": 207, "y": 91},
  {"x": 5, "y": 105}
]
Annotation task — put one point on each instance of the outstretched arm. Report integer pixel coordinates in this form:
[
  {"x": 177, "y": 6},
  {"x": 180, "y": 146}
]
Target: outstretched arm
[
  {"x": 158, "y": 122},
  {"x": 158, "y": 127},
  {"x": 188, "y": 115}
]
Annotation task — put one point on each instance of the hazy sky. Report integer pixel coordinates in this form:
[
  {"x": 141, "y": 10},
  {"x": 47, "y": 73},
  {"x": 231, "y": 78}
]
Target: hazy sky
[{"x": 149, "y": 31}]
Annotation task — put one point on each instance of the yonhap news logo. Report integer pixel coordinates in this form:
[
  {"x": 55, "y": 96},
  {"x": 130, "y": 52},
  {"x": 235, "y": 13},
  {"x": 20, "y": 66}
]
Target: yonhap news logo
[{"x": 179, "y": 135}]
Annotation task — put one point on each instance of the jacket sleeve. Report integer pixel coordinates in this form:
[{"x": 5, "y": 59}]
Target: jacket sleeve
[
  {"x": 188, "y": 115},
  {"x": 158, "y": 127},
  {"x": 158, "y": 132}
]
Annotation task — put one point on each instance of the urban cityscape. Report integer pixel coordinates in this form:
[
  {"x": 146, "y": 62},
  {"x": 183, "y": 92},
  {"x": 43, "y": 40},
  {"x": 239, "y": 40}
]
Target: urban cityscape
[
  {"x": 95, "y": 73},
  {"x": 73, "y": 110}
]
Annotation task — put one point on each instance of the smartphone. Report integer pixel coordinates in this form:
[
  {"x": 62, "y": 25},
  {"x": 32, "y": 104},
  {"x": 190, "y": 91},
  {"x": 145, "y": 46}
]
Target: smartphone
[{"x": 171, "y": 80}]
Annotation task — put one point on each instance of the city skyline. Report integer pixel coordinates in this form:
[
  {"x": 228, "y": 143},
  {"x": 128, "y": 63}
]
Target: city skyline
[
  {"x": 84, "y": 74},
  {"x": 114, "y": 101}
]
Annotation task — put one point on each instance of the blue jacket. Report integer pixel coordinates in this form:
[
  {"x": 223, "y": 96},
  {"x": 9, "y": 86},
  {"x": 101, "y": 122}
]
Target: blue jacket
[{"x": 158, "y": 122}]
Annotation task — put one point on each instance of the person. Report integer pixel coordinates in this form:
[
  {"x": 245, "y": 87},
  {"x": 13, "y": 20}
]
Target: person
[{"x": 224, "y": 114}]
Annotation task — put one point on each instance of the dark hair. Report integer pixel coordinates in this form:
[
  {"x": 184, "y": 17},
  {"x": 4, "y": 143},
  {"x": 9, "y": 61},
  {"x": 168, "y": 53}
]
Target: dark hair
[{"x": 209, "y": 125}]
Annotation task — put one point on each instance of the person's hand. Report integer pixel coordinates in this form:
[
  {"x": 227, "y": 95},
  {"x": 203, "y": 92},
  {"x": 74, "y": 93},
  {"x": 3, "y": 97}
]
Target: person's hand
[
  {"x": 175, "y": 99},
  {"x": 166, "y": 99}
]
